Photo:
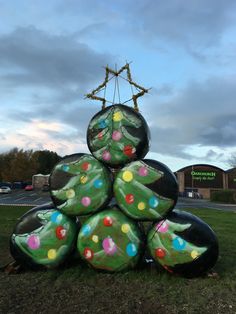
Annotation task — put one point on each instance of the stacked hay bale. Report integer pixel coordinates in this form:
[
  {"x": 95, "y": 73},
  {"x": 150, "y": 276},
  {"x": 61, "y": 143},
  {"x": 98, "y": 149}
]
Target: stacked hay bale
[{"x": 117, "y": 190}]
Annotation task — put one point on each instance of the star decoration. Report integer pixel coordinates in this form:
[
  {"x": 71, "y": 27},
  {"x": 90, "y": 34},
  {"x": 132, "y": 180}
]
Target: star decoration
[{"x": 115, "y": 73}]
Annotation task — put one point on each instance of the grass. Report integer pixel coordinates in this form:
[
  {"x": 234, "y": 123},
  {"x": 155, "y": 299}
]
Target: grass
[
  {"x": 8, "y": 218},
  {"x": 77, "y": 289}
]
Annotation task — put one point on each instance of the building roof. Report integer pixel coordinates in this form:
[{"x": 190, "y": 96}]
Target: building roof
[{"x": 199, "y": 165}]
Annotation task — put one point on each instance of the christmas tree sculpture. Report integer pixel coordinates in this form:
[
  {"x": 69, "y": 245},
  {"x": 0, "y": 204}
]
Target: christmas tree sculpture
[
  {"x": 118, "y": 189},
  {"x": 80, "y": 185}
]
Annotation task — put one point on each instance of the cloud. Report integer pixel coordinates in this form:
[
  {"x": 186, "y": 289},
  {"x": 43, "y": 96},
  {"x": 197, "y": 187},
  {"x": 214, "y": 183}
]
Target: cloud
[
  {"x": 163, "y": 90},
  {"x": 184, "y": 124},
  {"x": 31, "y": 57},
  {"x": 196, "y": 26},
  {"x": 202, "y": 114},
  {"x": 213, "y": 155},
  {"x": 47, "y": 73},
  {"x": 42, "y": 134},
  {"x": 45, "y": 76}
]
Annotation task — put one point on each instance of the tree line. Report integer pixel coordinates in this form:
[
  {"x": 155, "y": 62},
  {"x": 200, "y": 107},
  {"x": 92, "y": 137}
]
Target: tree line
[{"x": 21, "y": 165}]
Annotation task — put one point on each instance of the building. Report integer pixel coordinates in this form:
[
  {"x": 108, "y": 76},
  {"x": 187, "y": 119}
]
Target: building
[
  {"x": 39, "y": 180},
  {"x": 203, "y": 179}
]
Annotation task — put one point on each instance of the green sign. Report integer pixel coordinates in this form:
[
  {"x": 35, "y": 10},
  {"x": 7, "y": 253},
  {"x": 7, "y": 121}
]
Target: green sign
[{"x": 203, "y": 175}]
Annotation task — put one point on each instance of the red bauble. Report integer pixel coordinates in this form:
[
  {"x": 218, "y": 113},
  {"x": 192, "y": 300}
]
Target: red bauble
[
  {"x": 100, "y": 135},
  {"x": 129, "y": 150},
  {"x": 129, "y": 198},
  {"x": 160, "y": 253},
  {"x": 60, "y": 232},
  {"x": 88, "y": 253},
  {"x": 107, "y": 221},
  {"x": 85, "y": 166}
]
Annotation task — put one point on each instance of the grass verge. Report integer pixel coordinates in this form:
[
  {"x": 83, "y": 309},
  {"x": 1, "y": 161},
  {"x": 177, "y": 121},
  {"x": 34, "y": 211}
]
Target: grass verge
[{"x": 78, "y": 289}]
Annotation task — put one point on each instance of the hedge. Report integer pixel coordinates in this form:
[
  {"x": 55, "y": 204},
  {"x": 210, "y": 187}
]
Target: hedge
[{"x": 224, "y": 196}]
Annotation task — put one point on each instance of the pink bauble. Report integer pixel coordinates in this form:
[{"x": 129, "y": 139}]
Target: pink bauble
[
  {"x": 33, "y": 242},
  {"x": 109, "y": 246},
  {"x": 143, "y": 171},
  {"x": 162, "y": 226},
  {"x": 86, "y": 201},
  {"x": 106, "y": 155},
  {"x": 116, "y": 136}
]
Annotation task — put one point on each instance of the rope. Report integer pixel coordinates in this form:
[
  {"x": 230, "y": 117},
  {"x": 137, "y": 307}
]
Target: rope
[
  {"x": 116, "y": 74},
  {"x": 114, "y": 94},
  {"x": 104, "y": 97},
  {"x": 118, "y": 88}
]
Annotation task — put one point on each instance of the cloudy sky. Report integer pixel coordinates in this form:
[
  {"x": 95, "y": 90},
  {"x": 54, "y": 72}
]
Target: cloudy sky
[{"x": 52, "y": 53}]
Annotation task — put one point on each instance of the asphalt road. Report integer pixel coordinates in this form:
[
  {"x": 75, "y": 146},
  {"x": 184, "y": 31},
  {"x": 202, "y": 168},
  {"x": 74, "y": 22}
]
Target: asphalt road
[
  {"x": 184, "y": 203},
  {"x": 34, "y": 198},
  {"x": 21, "y": 197}
]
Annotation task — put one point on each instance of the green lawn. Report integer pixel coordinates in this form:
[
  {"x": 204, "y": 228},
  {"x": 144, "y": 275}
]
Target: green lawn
[
  {"x": 8, "y": 218},
  {"x": 78, "y": 289}
]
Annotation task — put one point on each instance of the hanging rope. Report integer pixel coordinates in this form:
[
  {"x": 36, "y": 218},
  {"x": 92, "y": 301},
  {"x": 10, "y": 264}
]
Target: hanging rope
[
  {"x": 116, "y": 74},
  {"x": 118, "y": 88},
  {"x": 105, "y": 88},
  {"x": 114, "y": 94}
]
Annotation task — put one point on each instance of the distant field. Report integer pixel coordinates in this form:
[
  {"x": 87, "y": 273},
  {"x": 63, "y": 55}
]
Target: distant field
[{"x": 75, "y": 288}]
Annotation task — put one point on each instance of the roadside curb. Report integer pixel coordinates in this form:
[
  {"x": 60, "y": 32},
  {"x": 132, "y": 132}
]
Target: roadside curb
[
  {"x": 3, "y": 204},
  {"x": 223, "y": 204}
]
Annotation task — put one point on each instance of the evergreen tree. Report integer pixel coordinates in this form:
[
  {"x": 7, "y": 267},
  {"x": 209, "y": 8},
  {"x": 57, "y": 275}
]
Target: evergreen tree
[
  {"x": 21, "y": 165},
  {"x": 46, "y": 160}
]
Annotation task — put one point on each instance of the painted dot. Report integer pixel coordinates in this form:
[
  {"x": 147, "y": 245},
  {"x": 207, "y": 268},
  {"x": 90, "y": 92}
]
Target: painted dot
[
  {"x": 109, "y": 246},
  {"x": 52, "y": 254},
  {"x": 107, "y": 221},
  {"x": 131, "y": 249},
  {"x": 56, "y": 217},
  {"x": 88, "y": 253},
  {"x": 143, "y": 171},
  {"x": 127, "y": 176},
  {"x": 153, "y": 202},
  {"x": 86, "y": 166},
  {"x": 86, "y": 230},
  {"x": 129, "y": 198},
  {"x": 129, "y": 150},
  {"x": 102, "y": 124},
  {"x": 116, "y": 136},
  {"x": 194, "y": 254},
  {"x": 160, "y": 253},
  {"x": 86, "y": 201},
  {"x": 162, "y": 226},
  {"x": 125, "y": 228},
  {"x": 98, "y": 183},
  {"x": 179, "y": 244},
  {"x": 141, "y": 205},
  {"x": 70, "y": 193},
  {"x": 83, "y": 179},
  {"x": 33, "y": 242},
  {"x": 100, "y": 135},
  {"x": 95, "y": 238},
  {"x": 117, "y": 116},
  {"x": 65, "y": 168},
  {"x": 60, "y": 232},
  {"x": 106, "y": 155}
]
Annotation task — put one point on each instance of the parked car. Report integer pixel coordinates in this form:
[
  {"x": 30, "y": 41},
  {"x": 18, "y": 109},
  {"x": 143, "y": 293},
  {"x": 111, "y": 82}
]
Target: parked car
[
  {"x": 45, "y": 188},
  {"x": 5, "y": 190},
  {"x": 29, "y": 188},
  {"x": 17, "y": 185}
]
